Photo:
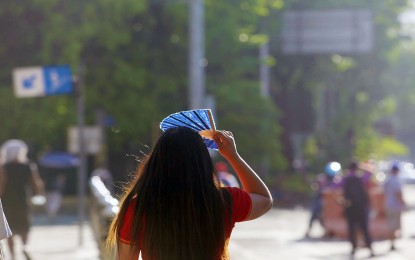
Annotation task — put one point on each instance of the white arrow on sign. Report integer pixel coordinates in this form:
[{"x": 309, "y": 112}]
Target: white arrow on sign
[
  {"x": 42, "y": 81},
  {"x": 28, "y": 82}
]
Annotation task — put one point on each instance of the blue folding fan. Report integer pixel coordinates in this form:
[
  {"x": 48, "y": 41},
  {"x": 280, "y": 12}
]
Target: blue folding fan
[{"x": 200, "y": 120}]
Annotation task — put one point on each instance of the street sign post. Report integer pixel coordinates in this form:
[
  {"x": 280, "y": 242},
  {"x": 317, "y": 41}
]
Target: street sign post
[
  {"x": 42, "y": 81},
  {"x": 93, "y": 139},
  {"x": 56, "y": 80}
]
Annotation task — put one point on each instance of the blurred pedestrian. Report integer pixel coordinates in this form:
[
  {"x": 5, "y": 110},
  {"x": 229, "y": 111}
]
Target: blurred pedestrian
[
  {"x": 225, "y": 176},
  {"x": 176, "y": 208},
  {"x": 368, "y": 169},
  {"x": 356, "y": 207},
  {"x": 54, "y": 189},
  {"x": 394, "y": 204},
  {"x": 323, "y": 181},
  {"x": 19, "y": 180}
]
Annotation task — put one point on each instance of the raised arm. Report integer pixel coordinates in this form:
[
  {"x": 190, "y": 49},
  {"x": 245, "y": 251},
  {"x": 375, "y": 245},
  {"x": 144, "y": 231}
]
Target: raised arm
[{"x": 251, "y": 182}]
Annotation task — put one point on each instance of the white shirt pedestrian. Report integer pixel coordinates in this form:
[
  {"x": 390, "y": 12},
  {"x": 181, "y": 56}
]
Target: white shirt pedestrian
[{"x": 394, "y": 204}]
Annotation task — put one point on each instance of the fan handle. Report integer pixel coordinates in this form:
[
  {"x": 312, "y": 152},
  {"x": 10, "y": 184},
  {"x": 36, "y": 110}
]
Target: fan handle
[{"x": 211, "y": 120}]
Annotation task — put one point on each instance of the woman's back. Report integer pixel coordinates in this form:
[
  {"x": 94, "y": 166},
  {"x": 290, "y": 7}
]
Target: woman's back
[
  {"x": 176, "y": 208},
  {"x": 236, "y": 211}
]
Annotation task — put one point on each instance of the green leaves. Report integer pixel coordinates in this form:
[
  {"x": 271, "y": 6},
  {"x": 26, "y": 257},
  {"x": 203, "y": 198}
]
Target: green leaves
[
  {"x": 254, "y": 121},
  {"x": 135, "y": 55}
]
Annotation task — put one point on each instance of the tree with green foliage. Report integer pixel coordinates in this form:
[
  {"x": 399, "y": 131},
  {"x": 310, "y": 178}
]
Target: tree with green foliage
[
  {"x": 352, "y": 84},
  {"x": 134, "y": 60}
]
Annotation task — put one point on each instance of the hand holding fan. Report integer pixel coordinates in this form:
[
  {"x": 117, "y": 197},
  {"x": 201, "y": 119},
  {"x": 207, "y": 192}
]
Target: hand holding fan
[{"x": 200, "y": 120}]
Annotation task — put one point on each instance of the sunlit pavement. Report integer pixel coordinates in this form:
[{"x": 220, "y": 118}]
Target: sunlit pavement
[
  {"x": 59, "y": 241},
  {"x": 277, "y": 235},
  {"x": 280, "y": 235}
]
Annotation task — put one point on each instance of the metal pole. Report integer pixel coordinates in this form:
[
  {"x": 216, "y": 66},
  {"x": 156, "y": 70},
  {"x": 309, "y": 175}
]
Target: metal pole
[
  {"x": 80, "y": 100},
  {"x": 101, "y": 157},
  {"x": 197, "y": 55},
  {"x": 264, "y": 69}
]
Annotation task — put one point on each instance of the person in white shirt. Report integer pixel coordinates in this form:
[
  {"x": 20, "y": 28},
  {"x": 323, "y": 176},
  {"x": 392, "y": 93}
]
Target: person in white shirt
[{"x": 394, "y": 204}]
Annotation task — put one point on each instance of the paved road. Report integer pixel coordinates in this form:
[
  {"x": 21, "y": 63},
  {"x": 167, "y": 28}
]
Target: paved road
[
  {"x": 58, "y": 242},
  {"x": 277, "y": 235},
  {"x": 280, "y": 235}
]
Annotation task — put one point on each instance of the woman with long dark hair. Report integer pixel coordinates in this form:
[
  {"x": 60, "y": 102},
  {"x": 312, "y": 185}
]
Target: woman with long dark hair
[{"x": 176, "y": 208}]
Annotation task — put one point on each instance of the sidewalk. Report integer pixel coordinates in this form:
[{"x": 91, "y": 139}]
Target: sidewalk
[
  {"x": 277, "y": 235},
  {"x": 280, "y": 235},
  {"x": 58, "y": 241}
]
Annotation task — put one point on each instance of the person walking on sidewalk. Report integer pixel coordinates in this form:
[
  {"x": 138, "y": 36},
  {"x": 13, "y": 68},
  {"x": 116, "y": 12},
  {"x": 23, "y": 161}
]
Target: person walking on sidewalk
[
  {"x": 19, "y": 179},
  {"x": 176, "y": 207},
  {"x": 54, "y": 187},
  {"x": 394, "y": 204},
  {"x": 323, "y": 182},
  {"x": 356, "y": 207}
]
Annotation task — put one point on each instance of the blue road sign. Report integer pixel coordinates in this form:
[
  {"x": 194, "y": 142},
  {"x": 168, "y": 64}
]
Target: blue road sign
[
  {"x": 42, "y": 81},
  {"x": 58, "y": 80}
]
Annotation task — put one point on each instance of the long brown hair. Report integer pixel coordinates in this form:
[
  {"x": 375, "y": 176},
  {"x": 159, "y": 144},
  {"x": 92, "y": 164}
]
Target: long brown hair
[{"x": 178, "y": 198}]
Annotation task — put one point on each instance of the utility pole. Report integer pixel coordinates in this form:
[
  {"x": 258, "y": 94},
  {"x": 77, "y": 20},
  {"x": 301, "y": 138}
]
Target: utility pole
[
  {"x": 264, "y": 69},
  {"x": 80, "y": 101},
  {"x": 196, "y": 55}
]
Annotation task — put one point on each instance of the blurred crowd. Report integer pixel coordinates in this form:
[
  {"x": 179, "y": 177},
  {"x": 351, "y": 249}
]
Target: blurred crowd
[{"x": 361, "y": 199}]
